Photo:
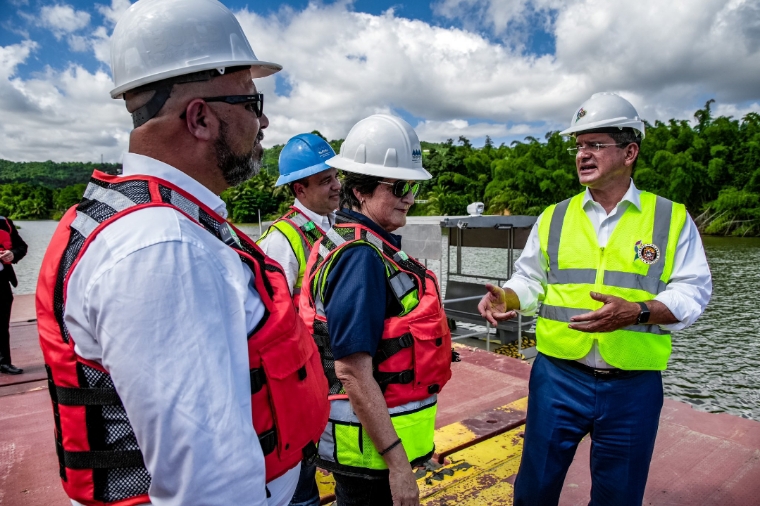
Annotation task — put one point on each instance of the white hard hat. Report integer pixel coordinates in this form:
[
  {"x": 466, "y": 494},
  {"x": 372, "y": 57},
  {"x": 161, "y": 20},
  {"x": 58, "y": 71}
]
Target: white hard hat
[
  {"x": 382, "y": 146},
  {"x": 605, "y": 110},
  {"x": 160, "y": 39}
]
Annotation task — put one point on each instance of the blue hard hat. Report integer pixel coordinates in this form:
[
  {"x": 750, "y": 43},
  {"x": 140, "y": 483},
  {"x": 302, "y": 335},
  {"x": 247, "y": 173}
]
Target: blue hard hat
[{"x": 304, "y": 155}]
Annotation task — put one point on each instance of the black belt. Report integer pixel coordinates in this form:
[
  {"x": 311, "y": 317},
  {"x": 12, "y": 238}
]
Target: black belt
[{"x": 598, "y": 373}]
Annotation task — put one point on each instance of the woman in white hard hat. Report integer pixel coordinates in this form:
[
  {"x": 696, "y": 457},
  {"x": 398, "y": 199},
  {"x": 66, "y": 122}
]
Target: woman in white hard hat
[{"x": 388, "y": 350}]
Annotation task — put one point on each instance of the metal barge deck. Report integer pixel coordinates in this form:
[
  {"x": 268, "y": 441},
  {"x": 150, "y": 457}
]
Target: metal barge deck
[{"x": 699, "y": 459}]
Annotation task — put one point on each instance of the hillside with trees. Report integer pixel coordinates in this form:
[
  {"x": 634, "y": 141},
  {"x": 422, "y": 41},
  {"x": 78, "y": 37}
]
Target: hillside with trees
[{"x": 711, "y": 164}]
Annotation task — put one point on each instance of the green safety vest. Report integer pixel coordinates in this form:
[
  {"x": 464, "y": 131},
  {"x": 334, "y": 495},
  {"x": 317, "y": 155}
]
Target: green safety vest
[
  {"x": 301, "y": 233},
  {"x": 411, "y": 365},
  {"x": 636, "y": 265}
]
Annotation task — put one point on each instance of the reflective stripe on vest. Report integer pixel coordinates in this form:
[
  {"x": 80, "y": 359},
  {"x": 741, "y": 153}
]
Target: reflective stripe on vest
[
  {"x": 577, "y": 266},
  {"x": 345, "y": 445},
  {"x": 411, "y": 365},
  {"x": 288, "y": 389}
]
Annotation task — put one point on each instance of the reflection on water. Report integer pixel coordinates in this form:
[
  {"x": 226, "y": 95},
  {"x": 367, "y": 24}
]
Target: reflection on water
[
  {"x": 715, "y": 363},
  {"x": 36, "y": 234}
]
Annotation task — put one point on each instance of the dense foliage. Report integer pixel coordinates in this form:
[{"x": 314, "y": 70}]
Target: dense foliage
[{"x": 712, "y": 165}]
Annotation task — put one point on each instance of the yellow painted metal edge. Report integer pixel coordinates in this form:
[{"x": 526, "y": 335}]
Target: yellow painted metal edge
[{"x": 492, "y": 460}]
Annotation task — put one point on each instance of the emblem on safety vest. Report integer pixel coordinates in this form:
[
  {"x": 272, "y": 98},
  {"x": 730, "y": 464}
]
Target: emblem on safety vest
[
  {"x": 581, "y": 113},
  {"x": 647, "y": 253}
]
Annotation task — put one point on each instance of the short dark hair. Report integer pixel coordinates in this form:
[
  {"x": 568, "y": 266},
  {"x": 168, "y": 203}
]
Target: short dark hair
[
  {"x": 621, "y": 136},
  {"x": 291, "y": 186},
  {"x": 362, "y": 183}
]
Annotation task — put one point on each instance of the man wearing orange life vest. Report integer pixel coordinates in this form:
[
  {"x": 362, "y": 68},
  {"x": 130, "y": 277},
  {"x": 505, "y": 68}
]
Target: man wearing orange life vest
[
  {"x": 316, "y": 189},
  {"x": 178, "y": 368},
  {"x": 290, "y": 238},
  {"x": 12, "y": 249}
]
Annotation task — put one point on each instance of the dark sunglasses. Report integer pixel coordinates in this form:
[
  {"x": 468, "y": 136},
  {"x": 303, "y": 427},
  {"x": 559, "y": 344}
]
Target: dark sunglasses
[
  {"x": 401, "y": 187},
  {"x": 254, "y": 103}
]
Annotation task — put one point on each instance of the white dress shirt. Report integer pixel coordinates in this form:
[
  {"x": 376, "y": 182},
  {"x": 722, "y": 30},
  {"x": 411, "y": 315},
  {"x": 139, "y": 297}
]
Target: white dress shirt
[
  {"x": 166, "y": 308},
  {"x": 277, "y": 246},
  {"x": 686, "y": 294}
]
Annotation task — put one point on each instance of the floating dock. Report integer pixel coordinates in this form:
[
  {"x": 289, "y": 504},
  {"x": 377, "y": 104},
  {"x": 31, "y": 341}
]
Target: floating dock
[{"x": 699, "y": 458}]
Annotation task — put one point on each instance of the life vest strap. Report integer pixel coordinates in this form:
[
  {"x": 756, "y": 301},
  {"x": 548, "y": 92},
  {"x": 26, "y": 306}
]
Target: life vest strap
[
  {"x": 389, "y": 347},
  {"x": 101, "y": 459},
  {"x": 268, "y": 441},
  {"x": 72, "y": 396},
  {"x": 386, "y": 378},
  {"x": 258, "y": 379}
]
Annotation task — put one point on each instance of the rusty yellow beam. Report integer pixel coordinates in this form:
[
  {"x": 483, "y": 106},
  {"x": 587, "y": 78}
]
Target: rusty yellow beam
[
  {"x": 477, "y": 458},
  {"x": 462, "y": 434},
  {"x": 480, "y": 475}
]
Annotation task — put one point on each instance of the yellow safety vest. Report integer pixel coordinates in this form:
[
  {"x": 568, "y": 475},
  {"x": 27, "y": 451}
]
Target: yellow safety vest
[
  {"x": 301, "y": 233},
  {"x": 636, "y": 265},
  {"x": 415, "y": 350}
]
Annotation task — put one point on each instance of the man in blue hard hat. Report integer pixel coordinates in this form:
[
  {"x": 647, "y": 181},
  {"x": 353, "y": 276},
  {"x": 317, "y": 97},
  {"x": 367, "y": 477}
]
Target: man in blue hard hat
[{"x": 290, "y": 238}]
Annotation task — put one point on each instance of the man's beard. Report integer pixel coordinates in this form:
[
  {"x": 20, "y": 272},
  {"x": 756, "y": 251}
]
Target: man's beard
[{"x": 236, "y": 168}]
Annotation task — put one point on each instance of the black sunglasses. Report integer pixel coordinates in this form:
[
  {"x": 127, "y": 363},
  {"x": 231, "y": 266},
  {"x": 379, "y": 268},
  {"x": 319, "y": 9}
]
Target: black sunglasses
[
  {"x": 254, "y": 103},
  {"x": 401, "y": 187}
]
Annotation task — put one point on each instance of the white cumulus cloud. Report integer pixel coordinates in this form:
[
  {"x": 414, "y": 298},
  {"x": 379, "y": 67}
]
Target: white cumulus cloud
[
  {"x": 113, "y": 12},
  {"x": 340, "y": 66},
  {"x": 58, "y": 115},
  {"x": 63, "y": 19}
]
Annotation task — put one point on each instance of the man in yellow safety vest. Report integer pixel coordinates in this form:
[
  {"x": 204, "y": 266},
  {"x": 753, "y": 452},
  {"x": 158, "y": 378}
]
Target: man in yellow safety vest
[
  {"x": 290, "y": 238},
  {"x": 616, "y": 269}
]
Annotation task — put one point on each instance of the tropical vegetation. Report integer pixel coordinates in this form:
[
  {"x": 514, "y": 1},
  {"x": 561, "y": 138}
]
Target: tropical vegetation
[{"x": 711, "y": 164}]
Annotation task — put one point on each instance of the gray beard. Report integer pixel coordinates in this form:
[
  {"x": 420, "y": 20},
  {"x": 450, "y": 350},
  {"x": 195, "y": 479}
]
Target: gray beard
[{"x": 236, "y": 169}]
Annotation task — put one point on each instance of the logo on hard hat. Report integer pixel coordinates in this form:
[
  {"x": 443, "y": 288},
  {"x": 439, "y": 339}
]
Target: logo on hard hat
[
  {"x": 647, "y": 253},
  {"x": 324, "y": 152},
  {"x": 581, "y": 113},
  {"x": 416, "y": 155}
]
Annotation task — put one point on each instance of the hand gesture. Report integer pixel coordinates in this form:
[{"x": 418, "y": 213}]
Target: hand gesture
[
  {"x": 614, "y": 315},
  {"x": 404, "y": 489},
  {"x": 6, "y": 256},
  {"x": 493, "y": 305}
]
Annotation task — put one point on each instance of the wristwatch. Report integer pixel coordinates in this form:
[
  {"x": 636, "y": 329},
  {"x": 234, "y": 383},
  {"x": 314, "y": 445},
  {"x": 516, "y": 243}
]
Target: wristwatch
[{"x": 643, "y": 315}]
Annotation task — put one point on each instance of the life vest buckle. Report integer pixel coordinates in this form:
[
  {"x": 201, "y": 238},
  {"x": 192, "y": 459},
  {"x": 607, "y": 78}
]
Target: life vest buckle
[
  {"x": 406, "y": 340},
  {"x": 258, "y": 379}
]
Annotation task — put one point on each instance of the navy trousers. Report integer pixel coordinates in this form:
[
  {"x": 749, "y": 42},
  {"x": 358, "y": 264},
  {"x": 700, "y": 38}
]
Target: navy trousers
[
  {"x": 621, "y": 414},
  {"x": 307, "y": 493},
  {"x": 355, "y": 491}
]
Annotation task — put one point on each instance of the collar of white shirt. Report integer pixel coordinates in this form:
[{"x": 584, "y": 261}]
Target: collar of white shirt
[
  {"x": 134, "y": 165},
  {"x": 323, "y": 222},
  {"x": 633, "y": 196}
]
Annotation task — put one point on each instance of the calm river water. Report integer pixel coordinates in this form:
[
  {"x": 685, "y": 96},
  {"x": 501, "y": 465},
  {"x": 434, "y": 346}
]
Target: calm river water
[{"x": 715, "y": 364}]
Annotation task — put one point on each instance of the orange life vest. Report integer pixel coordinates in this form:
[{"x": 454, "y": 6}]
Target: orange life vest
[
  {"x": 413, "y": 360},
  {"x": 288, "y": 389},
  {"x": 5, "y": 235}
]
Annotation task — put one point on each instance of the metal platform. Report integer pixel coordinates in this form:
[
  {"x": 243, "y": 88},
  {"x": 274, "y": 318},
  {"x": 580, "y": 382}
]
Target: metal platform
[
  {"x": 700, "y": 459},
  {"x": 507, "y": 233}
]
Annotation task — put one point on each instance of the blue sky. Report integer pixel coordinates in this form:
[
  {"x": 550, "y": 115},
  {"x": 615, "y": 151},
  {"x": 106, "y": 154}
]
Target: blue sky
[{"x": 503, "y": 68}]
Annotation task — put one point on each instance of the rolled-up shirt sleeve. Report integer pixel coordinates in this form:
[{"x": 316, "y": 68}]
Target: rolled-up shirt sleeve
[
  {"x": 174, "y": 342},
  {"x": 690, "y": 286},
  {"x": 529, "y": 278}
]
